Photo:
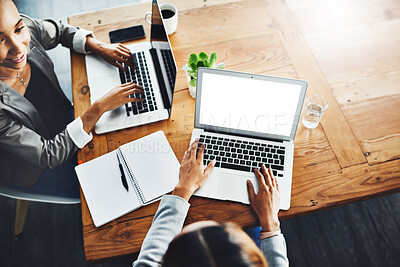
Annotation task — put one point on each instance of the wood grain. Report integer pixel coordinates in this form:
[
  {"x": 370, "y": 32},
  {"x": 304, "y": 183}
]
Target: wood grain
[
  {"x": 365, "y": 87},
  {"x": 357, "y": 50},
  {"x": 310, "y": 195},
  {"x": 329, "y": 164},
  {"x": 313, "y": 155},
  {"x": 88, "y": 20},
  {"x": 353, "y": 52},
  {"x": 329, "y": 15},
  {"x": 336, "y": 128},
  {"x": 353, "y": 183},
  {"x": 81, "y": 99},
  {"x": 376, "y": 124}
]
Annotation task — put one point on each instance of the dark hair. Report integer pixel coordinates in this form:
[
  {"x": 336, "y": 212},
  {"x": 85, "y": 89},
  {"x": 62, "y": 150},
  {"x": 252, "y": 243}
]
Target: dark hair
[{"x": 223, "y": 245}]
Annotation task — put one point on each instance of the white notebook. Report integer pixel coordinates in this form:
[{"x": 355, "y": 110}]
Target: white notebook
[{"x": 151, "y": 169}]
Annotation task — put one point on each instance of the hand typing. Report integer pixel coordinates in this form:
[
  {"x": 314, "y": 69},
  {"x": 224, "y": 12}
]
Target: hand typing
[
  {"x": 266, "y": 202},
  {"x": 115, "y": 54},
  {"x": 192, "y": 173},
  {"x": 119, "y": 95}
]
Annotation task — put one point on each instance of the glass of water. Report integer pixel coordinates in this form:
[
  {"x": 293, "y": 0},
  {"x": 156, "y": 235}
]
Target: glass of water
[{"x": 315, "y": 108}]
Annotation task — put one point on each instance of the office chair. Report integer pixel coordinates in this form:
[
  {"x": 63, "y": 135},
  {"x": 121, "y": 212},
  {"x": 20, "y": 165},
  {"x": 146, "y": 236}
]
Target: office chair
[{"x": 23, "y": 199}]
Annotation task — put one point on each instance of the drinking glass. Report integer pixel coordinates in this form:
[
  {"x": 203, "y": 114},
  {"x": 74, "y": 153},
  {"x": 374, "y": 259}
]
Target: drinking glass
[{"x": 315, "y": 108}]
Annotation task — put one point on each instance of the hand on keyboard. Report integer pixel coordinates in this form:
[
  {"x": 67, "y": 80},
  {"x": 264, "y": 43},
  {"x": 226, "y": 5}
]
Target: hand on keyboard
[
  {"x": 119, "y": 95},
  {"x": 192, "y": 174},
  {"x": 243, "y": 155},
  {"x": 266, "y": 202},
  {"x": 112, "y": 100},
  {"x": 115, "y": 54},
  {"x": 140, "y": 76}
]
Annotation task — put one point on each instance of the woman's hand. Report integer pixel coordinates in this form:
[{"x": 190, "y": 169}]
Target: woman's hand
[
  {"x": 115, "y": 54},
  {"x": 115, "y": 98},
  {"x": 119, "y": 96},
  {"x": 266, "y": 202},
  {"x": 192, "y": 173}
]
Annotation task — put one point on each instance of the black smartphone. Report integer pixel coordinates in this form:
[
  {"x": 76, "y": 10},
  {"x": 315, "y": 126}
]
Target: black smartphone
[{"x": 127, "y": 34}]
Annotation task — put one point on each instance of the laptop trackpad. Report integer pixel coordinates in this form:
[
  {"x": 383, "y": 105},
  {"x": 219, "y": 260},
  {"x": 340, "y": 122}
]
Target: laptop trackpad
[
  {"x": 101, "y": 86},
  {"x": 233, "y": 186}
]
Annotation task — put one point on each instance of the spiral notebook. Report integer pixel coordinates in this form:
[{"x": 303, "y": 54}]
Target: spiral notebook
[{"x": 151, "y": 169}]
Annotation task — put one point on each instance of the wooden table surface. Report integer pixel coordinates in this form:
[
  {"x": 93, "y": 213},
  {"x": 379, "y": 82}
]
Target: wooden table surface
[{"x": 346, "y": 50}]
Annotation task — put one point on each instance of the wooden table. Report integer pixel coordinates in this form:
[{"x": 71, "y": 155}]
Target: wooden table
[{"x": 352, "y": 155}]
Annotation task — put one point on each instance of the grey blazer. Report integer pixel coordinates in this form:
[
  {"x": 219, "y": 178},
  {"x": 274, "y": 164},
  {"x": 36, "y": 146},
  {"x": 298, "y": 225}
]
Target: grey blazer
[
  {"x": 168, "y": 222},
  {"x": 24, "y": 153}
]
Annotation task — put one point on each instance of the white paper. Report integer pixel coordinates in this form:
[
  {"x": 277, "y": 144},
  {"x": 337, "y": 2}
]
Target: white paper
[
  {"x": 104, "y": 192},
  {"x": 154, "y": 164},
  {"x": 156, "y": 170}
]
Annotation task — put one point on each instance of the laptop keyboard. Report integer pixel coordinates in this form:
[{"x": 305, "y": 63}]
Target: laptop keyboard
[
  {"x": 170, "y": 68},
  {"x": 242, "y": 155},
  {"x": 139, "y": 75}
]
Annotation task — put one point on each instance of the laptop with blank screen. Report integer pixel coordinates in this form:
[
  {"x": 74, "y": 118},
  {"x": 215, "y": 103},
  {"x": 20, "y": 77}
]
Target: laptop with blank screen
[
  {"x": 155, "y": 71},
  {"x": 246, "y": 120}
]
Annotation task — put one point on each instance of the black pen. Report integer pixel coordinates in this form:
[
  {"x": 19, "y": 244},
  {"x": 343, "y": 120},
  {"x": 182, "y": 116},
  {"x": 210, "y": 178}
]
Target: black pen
[{"x": 123, "y": 178}]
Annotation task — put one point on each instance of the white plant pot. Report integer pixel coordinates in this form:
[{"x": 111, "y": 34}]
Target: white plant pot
[{"x": 192, "y": 89}]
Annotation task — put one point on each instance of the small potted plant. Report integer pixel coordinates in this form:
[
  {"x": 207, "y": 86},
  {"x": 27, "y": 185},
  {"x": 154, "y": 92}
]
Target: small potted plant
[{"x": 195, "y": 62}]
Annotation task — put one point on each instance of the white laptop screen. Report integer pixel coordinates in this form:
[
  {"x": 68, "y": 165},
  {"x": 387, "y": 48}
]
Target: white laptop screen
[{"x": 250, "y": 103}]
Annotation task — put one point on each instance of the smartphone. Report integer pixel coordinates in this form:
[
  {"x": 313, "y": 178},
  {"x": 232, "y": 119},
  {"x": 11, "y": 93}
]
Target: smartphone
[{"x": 127, "y": 34}]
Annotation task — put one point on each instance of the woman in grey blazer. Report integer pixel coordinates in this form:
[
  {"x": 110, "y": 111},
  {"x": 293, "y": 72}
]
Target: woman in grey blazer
[
  {"x": 208, "y": 243},
  {"x": 36, "y": 132}
]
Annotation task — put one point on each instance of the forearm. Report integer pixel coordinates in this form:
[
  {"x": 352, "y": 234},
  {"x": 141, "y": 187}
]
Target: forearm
[
  {"x": 274, "y": 249},
  {"x": 93, "y": 45},
  {"x": 57, "y": 150},
  {"x": 91, "y": 116},
  {"x": 269, "y": 223},
  {"x": 167, "y": 223},
  {"x": 184, "y": 192}
]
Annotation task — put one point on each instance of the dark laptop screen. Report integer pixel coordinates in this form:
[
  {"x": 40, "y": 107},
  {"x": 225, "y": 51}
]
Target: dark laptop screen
[{"x": 162, "y": 55}]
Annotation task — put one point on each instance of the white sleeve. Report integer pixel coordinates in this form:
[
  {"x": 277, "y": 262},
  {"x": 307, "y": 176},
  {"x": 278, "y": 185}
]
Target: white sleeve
[
  {"x": 77, "y": 134},
  {"x": 79, "y": 41}
]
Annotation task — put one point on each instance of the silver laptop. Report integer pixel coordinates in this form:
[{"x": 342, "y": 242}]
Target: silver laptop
[
  {"x": 246, "y": 120},
  {"x": 155, "y": 71}
]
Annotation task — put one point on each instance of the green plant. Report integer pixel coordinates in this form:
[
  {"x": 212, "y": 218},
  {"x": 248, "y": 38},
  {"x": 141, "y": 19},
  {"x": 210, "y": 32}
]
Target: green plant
[{"x": 201, "y": 60}]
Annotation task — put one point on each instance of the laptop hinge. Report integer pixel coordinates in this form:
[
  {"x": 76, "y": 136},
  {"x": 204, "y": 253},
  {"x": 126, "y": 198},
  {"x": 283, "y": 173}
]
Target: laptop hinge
[
  {"x": 244, "y": 135},
  {"x": 160, "y": 79}
]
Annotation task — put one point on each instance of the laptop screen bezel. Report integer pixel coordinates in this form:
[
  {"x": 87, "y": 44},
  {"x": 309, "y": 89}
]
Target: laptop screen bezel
[
  {"x": 231, "y": 131},
  {"x": 156, "y": 12}
]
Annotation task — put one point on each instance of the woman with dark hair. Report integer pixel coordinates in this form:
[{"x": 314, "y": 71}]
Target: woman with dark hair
[
  {"x": 208, "y": 243},
  {"x": 37, "y": 127}
]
